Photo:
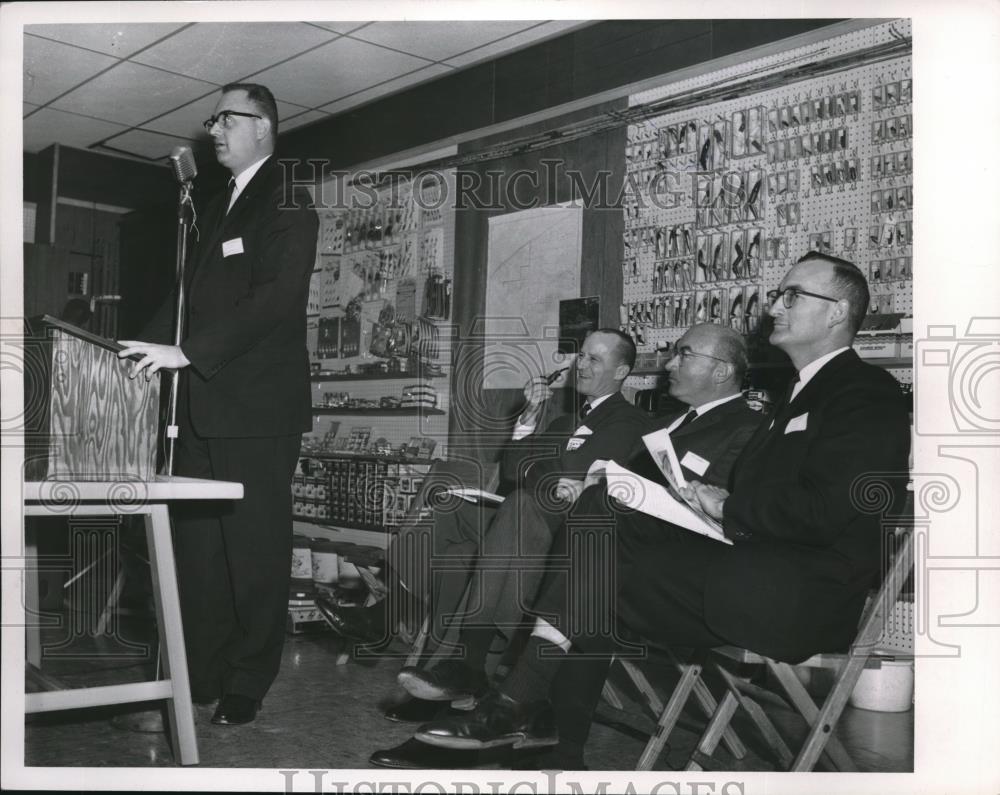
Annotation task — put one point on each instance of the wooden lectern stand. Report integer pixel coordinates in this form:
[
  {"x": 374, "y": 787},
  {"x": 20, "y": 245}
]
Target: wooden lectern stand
[
  {"x": 91, "y": 436},
  {"x": 85, "y": 419}
]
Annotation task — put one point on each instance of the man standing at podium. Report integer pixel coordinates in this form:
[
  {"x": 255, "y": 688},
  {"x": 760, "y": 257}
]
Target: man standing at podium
[{"x": 244, "y": 402}]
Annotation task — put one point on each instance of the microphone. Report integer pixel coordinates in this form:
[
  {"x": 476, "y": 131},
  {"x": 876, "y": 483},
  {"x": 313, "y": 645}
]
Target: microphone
[{"x": 182, "y": 161}]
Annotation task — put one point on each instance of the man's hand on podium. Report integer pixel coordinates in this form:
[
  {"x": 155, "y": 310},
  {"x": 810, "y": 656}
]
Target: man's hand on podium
[{"x": 154, "y": 357}]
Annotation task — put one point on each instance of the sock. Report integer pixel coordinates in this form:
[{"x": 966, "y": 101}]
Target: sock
[
  {"x": 532, "y": 677},
  {"x": 476, "y": 642}
]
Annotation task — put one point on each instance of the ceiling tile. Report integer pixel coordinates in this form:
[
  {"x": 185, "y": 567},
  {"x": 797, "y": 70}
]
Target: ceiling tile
[
  {"x": 427, "y": 73},
  {"x": 438, "y": 40},
  {"x": 544, "y": 31},
  {"x": 303, "y": 118},
  {"x": 51, "y": 68},
  {"x": 143, "y": 143},
  {"x": 50, "y": 126},
  {"x": 341, "y": 27},
  {"x": 223, "y": 52},
  {"x": 187, "y": 121},
  {"x": 118, "y": 39},
  {"x": 334, "y": 70},
  {"x": 131, "y": 94}
]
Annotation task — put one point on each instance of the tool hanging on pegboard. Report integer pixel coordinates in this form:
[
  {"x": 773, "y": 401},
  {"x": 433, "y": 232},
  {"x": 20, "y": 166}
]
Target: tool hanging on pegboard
[{"x": 437, "y": 297}]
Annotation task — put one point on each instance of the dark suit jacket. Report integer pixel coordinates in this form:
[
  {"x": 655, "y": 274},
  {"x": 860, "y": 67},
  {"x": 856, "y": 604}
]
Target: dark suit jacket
[
  {"x": 245, "y": 333},
  {"x": 616, "y": 428},
  {"x": 797, "y": 586},
  {"x": 718, "y": 436}
]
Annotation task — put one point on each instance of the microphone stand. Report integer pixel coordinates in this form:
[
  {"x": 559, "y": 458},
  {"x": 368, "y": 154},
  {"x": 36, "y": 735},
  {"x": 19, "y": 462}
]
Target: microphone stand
[{"x": 183, "y": 225}]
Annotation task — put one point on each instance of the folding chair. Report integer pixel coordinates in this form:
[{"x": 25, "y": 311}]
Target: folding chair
[
  {"x": 742, "y": 694},
  {"x": 690, "y": 683}
]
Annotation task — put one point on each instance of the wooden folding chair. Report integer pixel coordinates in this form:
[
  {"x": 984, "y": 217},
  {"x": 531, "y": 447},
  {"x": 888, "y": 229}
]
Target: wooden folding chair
[
  {"x": 690, "y": 684},
  {"x": 821, "y": 719},
  {"x": 742, "y": 694}
]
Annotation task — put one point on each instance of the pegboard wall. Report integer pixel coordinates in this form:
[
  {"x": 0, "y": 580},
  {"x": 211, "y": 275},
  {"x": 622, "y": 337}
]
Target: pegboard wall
[
  {"x": 381, "y": 287},
  {"x": 722, "y": 198}
]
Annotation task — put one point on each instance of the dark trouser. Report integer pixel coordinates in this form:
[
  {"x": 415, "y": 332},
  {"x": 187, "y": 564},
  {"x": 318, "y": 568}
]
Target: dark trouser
[
  {"x": 512, "y": 562},
  {"x": 613, "y": 567},
  {"x": 234, "y": 562},
  {"x": 499, "y": 554},
  {"x": 434, "y": 559}
]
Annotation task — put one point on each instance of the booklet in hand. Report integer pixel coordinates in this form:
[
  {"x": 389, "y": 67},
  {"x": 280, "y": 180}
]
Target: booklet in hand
[{"x": 664, "y": 503}]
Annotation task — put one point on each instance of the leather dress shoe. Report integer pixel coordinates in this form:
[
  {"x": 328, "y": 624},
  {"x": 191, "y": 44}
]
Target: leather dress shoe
[
  {"x": 235, "y": 710},
  {"x": 415, "y": 710},
  {"x": 449, "y": 680},
  {"x": 415, "y": 755},
  {"x": 497, "y": 720},
  {"x": 366, "y": 624}
]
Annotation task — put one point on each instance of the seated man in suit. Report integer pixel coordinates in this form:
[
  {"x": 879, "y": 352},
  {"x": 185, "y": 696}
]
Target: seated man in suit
[
  {"x": 705, "y": 373},
  {"x": 805, "y": 553},
  {"x": 607, "y": 426}
]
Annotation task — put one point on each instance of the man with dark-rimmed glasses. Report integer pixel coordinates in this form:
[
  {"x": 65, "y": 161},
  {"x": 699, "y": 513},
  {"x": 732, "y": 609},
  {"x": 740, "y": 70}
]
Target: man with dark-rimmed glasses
[
  {"x": 705, "y": 374},
  {"x": 244, "y": 403},
  {"x": 805, "y": 550}
]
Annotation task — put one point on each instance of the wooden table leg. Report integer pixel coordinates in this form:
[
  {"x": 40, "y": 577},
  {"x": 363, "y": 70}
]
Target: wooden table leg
[
  {"x": 32, "y": 608},
  {"x": 180, "y": 712}
]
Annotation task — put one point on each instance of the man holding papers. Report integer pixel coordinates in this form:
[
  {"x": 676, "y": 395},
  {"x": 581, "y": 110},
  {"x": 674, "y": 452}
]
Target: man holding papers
[
  {"x": 805, "y": 550},
  {"x": 513, "y": 546},
  {"x": 705, "y": 372}
]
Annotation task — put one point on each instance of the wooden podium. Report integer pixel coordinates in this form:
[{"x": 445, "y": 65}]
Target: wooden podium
[
  {"x": 85, "y": 419},
  {"x": 91, "y": 434}
]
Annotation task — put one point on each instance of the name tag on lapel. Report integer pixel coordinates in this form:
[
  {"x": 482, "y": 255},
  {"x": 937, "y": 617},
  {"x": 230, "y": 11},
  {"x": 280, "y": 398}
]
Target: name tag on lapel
[
  {"x": 694, "y": 462},
  {"x": 234, "y": 246},
  {"x": 575, "y": 442},
  {"x": 797, "y": 423}
]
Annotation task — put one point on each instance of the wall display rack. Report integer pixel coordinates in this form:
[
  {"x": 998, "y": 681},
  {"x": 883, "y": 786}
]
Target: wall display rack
[
  {"x": 722, "y": 198},
  {"x": 357, "y": 491},
  {"x": 380, "y": 304}
]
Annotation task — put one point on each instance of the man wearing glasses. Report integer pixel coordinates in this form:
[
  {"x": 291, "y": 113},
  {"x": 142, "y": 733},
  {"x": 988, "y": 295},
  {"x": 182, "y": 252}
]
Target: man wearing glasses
[
  {"x": 244, "y": 403},
  {"x": 805, "y": 552},
  {"x": 705, "y": 373}
]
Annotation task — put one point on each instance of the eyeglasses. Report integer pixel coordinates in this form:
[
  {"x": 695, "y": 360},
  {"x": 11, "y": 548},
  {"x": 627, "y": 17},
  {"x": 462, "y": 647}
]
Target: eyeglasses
[
  {"x": 685, "y": 354},
  {"x": 789, "y": 294},
  {"x": 225, "y": 118}
]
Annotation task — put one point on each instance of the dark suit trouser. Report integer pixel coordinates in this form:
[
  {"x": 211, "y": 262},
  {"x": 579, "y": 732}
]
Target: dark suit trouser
[
  {"x": 234, "y": 562},
  {"x": 434, "y": 560},
  {"x": 610, "y": 567},
  {"x": 512, "y": 562}
]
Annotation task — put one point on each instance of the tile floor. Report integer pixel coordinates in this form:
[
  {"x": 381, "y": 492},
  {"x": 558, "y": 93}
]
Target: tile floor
[{"x": 323, "y": 715}]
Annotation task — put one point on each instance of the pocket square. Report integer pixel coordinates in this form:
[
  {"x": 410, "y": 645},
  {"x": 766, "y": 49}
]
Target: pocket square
[{"x": 797, "y": 423}]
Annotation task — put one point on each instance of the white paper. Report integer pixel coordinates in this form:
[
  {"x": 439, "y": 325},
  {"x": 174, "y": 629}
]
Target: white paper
[
  {"x": 695, "y": 463},
  {"x": 475, "y": 495},
  {"x": 661, "y": 447},
  {"x": 651, "y": 498}
]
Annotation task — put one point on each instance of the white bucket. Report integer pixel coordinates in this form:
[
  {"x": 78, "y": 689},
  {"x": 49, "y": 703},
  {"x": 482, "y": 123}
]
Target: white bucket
[{"x": 888, "y": 688}]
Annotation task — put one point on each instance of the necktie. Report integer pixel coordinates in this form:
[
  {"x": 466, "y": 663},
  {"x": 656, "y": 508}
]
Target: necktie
[
  {"x": 229, "y": 194},
  {"x": 791, "y": 388},
  {"x": 781, "y": 409},
  {"x": 585, "y": 410},
  {"x": 688, "y": 419}
]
